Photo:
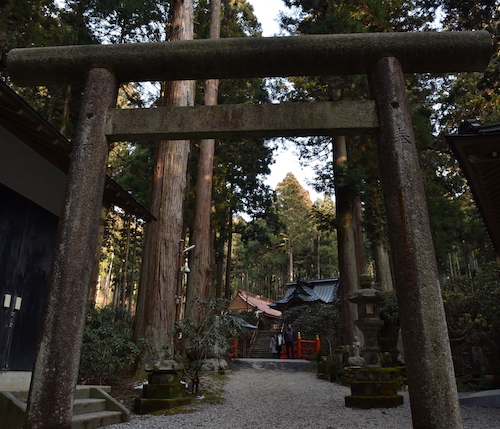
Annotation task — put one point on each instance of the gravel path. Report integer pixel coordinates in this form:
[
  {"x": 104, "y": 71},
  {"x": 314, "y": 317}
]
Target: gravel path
[{"x": 255, "y": 397}]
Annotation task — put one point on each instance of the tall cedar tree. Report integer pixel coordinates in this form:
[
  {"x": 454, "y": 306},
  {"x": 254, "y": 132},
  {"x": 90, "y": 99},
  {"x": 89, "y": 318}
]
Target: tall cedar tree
[
  {"x": 200, "y": 278},
  {"x": 156, "y": 300},
  {"x": 294, "y": 208}
]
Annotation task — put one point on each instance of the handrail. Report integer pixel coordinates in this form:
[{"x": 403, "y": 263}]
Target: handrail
[
  {"x": 304, "y": 349},
  {"x": 252, "y": 338},
  {"x": 234, "y": 349},
  {"x": 254, "y": 334}
]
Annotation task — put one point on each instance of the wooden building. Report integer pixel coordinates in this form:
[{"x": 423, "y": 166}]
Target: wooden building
[
  {"x": 247, "y": 301},
  {"x": 33, "y": 167}
]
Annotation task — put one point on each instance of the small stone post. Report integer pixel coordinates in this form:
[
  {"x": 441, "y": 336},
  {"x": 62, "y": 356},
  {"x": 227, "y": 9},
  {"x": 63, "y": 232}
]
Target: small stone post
[
  {"x": 431, "y": 379},
  {"x": 50, "y": 401}
]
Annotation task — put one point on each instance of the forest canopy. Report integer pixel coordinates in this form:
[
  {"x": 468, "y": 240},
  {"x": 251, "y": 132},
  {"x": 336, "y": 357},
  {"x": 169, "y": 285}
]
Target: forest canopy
[{"x": 262, "y": 237}]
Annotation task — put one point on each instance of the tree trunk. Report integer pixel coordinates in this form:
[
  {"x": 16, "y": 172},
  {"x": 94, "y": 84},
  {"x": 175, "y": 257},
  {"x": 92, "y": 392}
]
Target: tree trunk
[
  {"x": 227, "y": 284},
  {"x": 66, "y": 110},
  {"x": 346, "y": 242},
  {"x": 139, "y": 319},
  {"x": 123, "y": 299},
  {"x": 199, "y": 279},
  {"x": 109, "y": 280},
  {"x": 133, "y": 282},
  {"x": 97, "y": 257},
  {"x": 318, "y": 265},
  {"x": 383, "y": 264},
  {"x": 219, "y": 252},
  {"x": 383, "y": 267},
  {"x": 358, "y": 233},
  {"x": 168, "y": 196}
]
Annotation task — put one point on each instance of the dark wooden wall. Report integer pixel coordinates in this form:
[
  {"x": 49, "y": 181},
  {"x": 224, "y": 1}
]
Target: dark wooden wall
[{"x": 27, "y": 234}]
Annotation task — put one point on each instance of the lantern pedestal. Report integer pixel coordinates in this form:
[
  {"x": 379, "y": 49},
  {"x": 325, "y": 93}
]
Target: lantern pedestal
[
  {"x": 163, "y": 391},
  {"x": 374, "y": 388}
]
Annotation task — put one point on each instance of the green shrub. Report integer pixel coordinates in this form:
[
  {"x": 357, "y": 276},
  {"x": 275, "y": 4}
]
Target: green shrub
[
  {"x": 317, "y": 319},
  {"x": 211, "y": 338},
  {"x": 107, "y": 346},
  {"x": 389, "y": 313},
  {"x": 333, "y": 367},
  {"x": 473, "y": 304}
]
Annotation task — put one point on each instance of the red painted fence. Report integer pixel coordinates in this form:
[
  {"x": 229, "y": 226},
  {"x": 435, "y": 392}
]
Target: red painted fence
[{"x": 304, "y": 349}]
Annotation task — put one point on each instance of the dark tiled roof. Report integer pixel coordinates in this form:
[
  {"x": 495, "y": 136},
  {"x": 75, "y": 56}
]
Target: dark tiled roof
[
  {"x": 322, "y": 291},
  {"x": 477, "y": 149},
  {"x": 21, "y": 120}
]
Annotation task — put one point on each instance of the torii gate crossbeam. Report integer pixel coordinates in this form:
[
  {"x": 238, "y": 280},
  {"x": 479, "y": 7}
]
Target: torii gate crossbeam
[{"x": 245, "y": 57}]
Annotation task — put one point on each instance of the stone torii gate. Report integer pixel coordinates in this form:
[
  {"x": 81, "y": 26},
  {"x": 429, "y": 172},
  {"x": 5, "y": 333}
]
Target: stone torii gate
[{"x": 384, "y": 57}]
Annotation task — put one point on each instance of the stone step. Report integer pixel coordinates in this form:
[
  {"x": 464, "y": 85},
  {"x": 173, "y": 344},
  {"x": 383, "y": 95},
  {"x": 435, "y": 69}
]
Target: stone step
[
  {"x": 260, "y": 348},
  {"x": 84, "y": 390},
  {"x": 96, "y": 420},
  {"x": 93, "y": 408},
  {"x": 265, "y": 351},
  {"x": 88, "y": 405}
]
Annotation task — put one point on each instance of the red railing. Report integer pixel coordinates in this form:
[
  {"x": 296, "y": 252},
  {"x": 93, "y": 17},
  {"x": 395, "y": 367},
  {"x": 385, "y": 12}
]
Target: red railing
[
  {"x": 234, "y": 350},
  {"x": 303, "y": 349},
  {"x": 254, "y": 334}
]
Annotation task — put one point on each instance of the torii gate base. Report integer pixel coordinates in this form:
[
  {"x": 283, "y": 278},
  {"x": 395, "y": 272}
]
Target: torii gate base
[{"x": 433, "y": 393}]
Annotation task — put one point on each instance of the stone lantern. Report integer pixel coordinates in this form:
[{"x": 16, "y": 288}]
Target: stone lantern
[
  {"x": 368, "y": 301},
  {"x": 371, "y": 385}
]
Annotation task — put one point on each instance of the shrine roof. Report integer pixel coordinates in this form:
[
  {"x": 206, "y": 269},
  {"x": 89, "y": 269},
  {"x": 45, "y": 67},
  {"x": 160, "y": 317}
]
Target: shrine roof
[
  {"x": 21, "y": 120},
  {"x": 257, "y": 302},
  {"x": 477, "y": 149},
  {"x": 321, "y": 291}
]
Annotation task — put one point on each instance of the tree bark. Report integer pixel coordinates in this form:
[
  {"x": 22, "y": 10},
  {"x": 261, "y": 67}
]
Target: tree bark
[
  {"x": 133, "y": 283},
  {"x": 123, "y": 299},
  {"x": 383, "y": 267},
  {"x": 199, "y": 280},
  {"x": 97, "y": 256},
  {"x": 357, "y": 209},
  {"x": 66, "y": 109},
  {"x": 168, "y": 195},
  {"x": 346, "y": 242},
  {"x": 227, "y": 281}
]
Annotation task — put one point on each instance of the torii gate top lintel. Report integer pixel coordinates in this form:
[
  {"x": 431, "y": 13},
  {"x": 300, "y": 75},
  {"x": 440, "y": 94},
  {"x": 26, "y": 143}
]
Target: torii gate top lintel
[{"x": 313, "y": 55}]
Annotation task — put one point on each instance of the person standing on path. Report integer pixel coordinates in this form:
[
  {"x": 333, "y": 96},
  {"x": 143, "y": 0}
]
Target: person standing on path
[
  {"x": 289, "y": 335},
  {"x": 274, "y": 346}
]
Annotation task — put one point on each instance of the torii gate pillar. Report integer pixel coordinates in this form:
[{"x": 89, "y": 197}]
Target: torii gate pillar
[
  {"x": 433, "y": 392},
  {"x": 50, "y": 402}
]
